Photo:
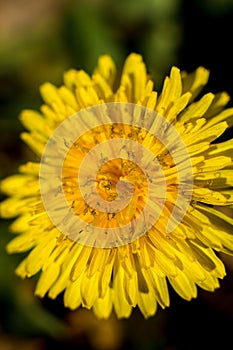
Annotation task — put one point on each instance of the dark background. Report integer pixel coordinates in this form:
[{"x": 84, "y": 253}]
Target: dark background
[{"x": 38, "y": 41}]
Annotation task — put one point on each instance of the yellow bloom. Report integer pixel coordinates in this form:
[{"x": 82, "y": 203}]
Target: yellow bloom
[{"x": 129, "y": 271}]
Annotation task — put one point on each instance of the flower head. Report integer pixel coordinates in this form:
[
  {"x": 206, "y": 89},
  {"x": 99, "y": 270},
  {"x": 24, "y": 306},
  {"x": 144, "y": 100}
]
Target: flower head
[{"x": 142, "y": 210}]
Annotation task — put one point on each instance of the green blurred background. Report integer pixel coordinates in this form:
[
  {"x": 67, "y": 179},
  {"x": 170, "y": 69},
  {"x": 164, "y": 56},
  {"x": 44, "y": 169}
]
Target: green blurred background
[{"x": 39, "y": 40}]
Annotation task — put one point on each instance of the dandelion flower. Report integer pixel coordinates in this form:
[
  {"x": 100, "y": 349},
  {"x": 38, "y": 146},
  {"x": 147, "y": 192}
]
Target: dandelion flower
[{"x": 127, "y": 273}]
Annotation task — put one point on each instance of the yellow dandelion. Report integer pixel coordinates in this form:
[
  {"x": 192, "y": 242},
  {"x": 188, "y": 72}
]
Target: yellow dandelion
[{"x": 123, "y": 199}]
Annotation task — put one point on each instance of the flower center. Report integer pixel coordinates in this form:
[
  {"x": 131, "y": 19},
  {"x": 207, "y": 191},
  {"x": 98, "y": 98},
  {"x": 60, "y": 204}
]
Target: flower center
[
  {"x": 118, "y": 170},
  {"x": 115, "y": 176},
  {"x": 109, "y": 179}
]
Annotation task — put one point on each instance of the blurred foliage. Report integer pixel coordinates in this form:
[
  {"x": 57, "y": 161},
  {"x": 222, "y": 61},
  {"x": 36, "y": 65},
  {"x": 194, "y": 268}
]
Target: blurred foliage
[
  {"x": 216, "y": 7},
  {"x": 39, "y": 40}
]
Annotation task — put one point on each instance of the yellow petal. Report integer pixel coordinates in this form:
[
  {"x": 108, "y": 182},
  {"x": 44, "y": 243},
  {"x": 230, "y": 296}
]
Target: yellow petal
[
  {"x": 25, "y": 241},
  {"x": 74, "y": 79},
  {"x": 216, "y": 217},
  {"x": 121, "y": 305},
  {"x": 208, "y": 196},
  {"x": 105, "y": 277},
  {"x": 50, "y": 94},
  {"x": 50, "y": 116},
  {"x": 38, "y": 256},
  {"x": 218, "y": 163},
  {"x": 223, "y": 148},
  {"x": 225, "y": 116},
  {"x": 68, "y": 97},
  {"x": 165, "y": 264},
  {"x": 183, "y": 286},
  {"x": 30, "y": 168},
  {"x": 194, "y": 82},
  {"x": 212, "y": 231},
  {"x": 90, "y": 290},
  {"x": 207, "y": 134},
  {"x": 197, "y": 109},
  {"x": 34, "y": 121},
  {"x": 171, "y": 92},
  {"x": 81, "y": 262},
  {"x": 178, "y": 106},
  {"x": 107, "y": 69},
  {"x": 101, "y": 87},
  {"x": 150, "y": 101},
  {"x": 160, "y": 287},
  {"x": 131, "y": 289},
  {"x": 33, "y": 142},
  {"x": 47, "y": 278},
  {"x": 103, "y": 306},
  {"x": 197, "y": 148},
  {"x": 72, "y": 295},
  {"x": 210, "y": 283},
  {"x": 20, "y": 185},
  {"x": 162, "y": 243},
  {"x": 147, "y": 301},
  {"x": 66, "y": 268},
  {"x": 215, "y": 179},
  {"x": 98, "y": 260},
  {"x": 219, "y": 102},
  {"x": 134, "y": 77},
  {"x": 147, "y": 254},
  {"x": 14, "y": 206},
  {"x": 21, "y": 224},
  {"x": 86, "y": 97}
]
